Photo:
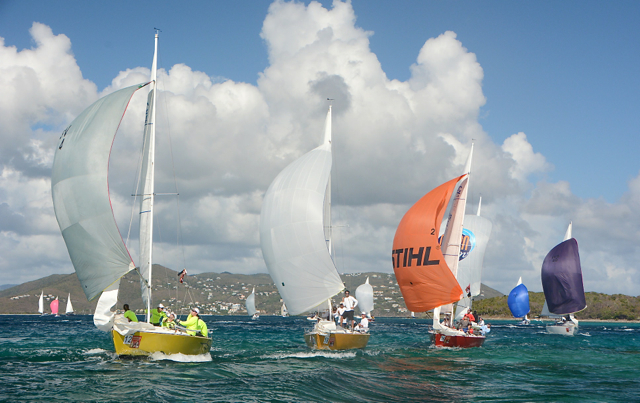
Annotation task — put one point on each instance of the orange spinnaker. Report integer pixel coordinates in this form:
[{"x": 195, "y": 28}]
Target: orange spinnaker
[{"x": 424, "y": 278}]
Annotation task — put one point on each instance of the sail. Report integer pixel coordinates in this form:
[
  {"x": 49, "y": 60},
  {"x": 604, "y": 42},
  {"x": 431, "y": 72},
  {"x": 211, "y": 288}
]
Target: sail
[
  {"x": 80, "y": 191},
  {"x": 424, "y": 278},
  {"x": 283, "y": 310},
  {"x": 41, "y": 303},
  {"x": 475, "y": 237},
  {"x": 251, "y": 303},
  {"x": 292, "y": 232},
  {"x": 69, "y": 308},
  {"x": 364, "y": 295},
  {"x": 518, "y": 301},
  {"x": 562, "y": 279},
  {"x": 54, "y": 306}
]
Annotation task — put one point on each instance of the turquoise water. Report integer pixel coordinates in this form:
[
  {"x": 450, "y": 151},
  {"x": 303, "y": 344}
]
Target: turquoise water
[{"x": 68, "y": 359}]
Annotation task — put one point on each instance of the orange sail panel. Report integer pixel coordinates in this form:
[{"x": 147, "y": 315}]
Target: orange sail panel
[{"x": 424, "y": 278}]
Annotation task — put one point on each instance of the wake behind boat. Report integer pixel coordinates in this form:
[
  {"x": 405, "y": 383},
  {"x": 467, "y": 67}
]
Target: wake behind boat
[
  {"x": 81, "y": 200},
  {"x": 295, "y": 236}
]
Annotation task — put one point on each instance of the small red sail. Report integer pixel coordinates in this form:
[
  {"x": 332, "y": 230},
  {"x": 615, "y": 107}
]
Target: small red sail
[
  {"x": 54, "y": 306},
  {"x": 425, "y": 280}
]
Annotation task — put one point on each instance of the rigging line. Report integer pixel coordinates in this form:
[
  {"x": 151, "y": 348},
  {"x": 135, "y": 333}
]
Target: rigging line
[
  {"x": 179, "y": 236},
  {"x": 340, "y": 244}
]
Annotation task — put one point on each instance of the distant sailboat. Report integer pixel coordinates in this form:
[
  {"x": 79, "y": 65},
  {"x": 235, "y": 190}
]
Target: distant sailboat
[
  {"x": 426, "y": 271},
  {"x": 251, "y": 305},
  {"x": 562, "y": 285},
  {"x": 295, "y": 236},
  {"x": 284, "y": 312},
  {"x": 41, "y": 303},
  {"x": 69, "y": 310},
  {"x": 518, "y": 302},
  {"x": 54, "y": 306},
  {"x": 364, "y": 295},
  {"x": 82, "y": 204}
]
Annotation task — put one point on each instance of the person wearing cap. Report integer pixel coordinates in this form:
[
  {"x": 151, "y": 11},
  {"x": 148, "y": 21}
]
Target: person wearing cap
[
  {"x": 363, "y": 326},
  {"x": 170, "y": 323},
  {"x": 157, "y": 315},
  {"x": 194, "y": 323},
  {"x": 129, "y": 314},
  {"x": 350, "y": 303}
]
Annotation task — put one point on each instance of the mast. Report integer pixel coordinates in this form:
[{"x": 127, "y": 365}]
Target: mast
[
  {"x": 327, "y": 197},
  {"x": 148, "y": 191}
]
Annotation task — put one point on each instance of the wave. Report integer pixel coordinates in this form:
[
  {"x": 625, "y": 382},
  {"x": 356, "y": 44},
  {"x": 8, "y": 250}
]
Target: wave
[
  {"x": 312, "y": 354},
  {"x": 181, "y": 357}
]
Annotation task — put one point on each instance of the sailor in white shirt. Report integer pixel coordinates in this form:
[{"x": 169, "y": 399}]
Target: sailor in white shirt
[
  {"x": 363, "y": 326},
  {"x": 349, "y": 305}
]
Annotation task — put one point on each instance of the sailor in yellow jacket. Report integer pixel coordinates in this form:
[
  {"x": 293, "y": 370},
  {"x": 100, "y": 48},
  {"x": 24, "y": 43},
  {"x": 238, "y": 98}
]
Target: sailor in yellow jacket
[
  {"x": 194, "y": 322},
  {"x": 157, "y": 315}
]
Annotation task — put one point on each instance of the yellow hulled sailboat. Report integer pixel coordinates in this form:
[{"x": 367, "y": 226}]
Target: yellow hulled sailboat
[
  {"x": 295, "y": 235},
  {"x": 81, "y": 200}
]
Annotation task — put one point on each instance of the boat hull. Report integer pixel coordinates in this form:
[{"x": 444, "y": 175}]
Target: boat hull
[
  {"x": 144, "y": 343},
  {"x": 466, "y": 341},
  {"x": 336, "y": 341},
  {"x": 565, "y": 330}
]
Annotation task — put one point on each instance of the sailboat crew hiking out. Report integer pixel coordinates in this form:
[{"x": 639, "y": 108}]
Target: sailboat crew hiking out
[
  {"x": 297, "y": 206},
  {"x": 82, "y": 204}
]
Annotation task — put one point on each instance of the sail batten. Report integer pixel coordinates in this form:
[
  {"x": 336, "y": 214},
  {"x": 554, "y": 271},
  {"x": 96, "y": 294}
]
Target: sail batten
[{"x": 80, "y": 191}]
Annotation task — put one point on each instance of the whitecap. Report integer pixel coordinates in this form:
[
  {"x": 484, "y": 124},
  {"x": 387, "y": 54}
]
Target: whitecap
[
  {"x": 313, "y": 354},
  {"x": 95, "y": 351},
  {"x": 158, "y": 356}
]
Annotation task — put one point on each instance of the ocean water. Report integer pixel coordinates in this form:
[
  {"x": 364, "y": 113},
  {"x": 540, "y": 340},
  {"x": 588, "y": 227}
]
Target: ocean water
[{"x": 60, "y": 359}]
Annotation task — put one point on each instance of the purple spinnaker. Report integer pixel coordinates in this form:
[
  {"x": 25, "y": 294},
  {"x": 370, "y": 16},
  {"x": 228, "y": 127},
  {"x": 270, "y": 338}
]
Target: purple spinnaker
[{"x": 562, "y": 279}]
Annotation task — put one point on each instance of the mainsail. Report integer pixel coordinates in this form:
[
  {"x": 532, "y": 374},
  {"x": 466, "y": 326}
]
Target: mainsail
[
  {"x": 69, "y": 308},
  {"x": 364, "y": 295},
  {"x": 80, "y": 191},
  {"x": 41, "y": 303},
  {"x": 251, "y": 303},
  {"x": 292, "y": 231}
]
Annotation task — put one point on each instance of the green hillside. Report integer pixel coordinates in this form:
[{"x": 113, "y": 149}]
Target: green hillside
[{"x": 599, "y": 306}]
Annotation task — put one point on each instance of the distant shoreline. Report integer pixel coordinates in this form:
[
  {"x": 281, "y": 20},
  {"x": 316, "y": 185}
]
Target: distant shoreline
[{"x": 550, "y": 320}]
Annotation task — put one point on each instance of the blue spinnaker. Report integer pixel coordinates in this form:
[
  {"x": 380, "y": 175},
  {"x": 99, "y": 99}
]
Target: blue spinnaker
[{"x": 519, "y": 301}]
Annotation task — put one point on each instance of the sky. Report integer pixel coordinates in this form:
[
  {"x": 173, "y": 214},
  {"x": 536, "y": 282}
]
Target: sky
[{"x": 548, "y": 92}]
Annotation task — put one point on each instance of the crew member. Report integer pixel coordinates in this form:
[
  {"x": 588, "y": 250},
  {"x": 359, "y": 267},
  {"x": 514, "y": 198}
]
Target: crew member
[
  {"x": 129, "y": 314},
  {"x": 194, "y": 323}
]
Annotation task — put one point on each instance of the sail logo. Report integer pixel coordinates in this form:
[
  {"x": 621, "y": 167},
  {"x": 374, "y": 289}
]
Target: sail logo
[
  {"x": 407, "y": 257},
  {"x": 467, "y": 243}
]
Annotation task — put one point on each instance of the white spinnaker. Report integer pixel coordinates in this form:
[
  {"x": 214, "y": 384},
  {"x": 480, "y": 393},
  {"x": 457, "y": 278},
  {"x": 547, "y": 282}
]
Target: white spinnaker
[
  {"x": 364, "y": 295},
  {"x": 251, "y": 303},
  {"x": 292, "y": 232},
  {"x": 80, "y": 191}
]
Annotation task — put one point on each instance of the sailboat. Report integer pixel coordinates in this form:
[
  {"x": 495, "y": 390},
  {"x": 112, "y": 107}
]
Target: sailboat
[
  {"x": 295, "y": 236},
  {"x": 54, "y": 306},
  {"x": 518, "y": 302},
  {"x": 69, "y": 309},
  {"x": 475, "y": 237},
  {"x": 425, "y": 270},
  {"x": 41, "y": 303},
  {"x": 364, "y": 295},
  {"x": 562, "y": 285},
  {"x": 81, "y": 200},
  {"x": 251, "y": 305}
]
